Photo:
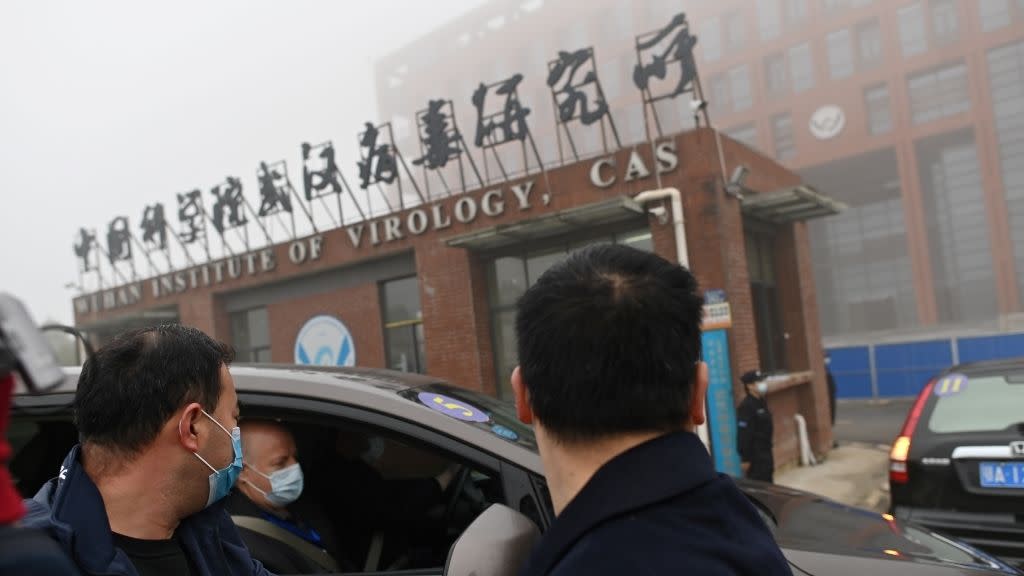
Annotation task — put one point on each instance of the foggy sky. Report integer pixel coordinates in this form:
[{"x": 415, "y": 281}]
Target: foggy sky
[{"x": 107, "y": 106}]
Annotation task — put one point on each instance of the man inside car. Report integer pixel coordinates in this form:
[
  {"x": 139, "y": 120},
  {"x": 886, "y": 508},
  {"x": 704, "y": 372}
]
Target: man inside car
[
  {"x": 156, "y": 412},
  {"x": 265, "y": 505},
  {"x": 611, "y": 378}
]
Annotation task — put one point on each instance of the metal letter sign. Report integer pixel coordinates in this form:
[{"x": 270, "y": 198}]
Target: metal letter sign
[
  {"x": 571, "y": 99},
  {"x": 378, "y": 163},
  {"x": 274, "y": 190},
  {"x": 678, "y": 51},
  {"x": 190, "y": 214},
  {"x": 229, "y": 204},
  {"x": 119, "y": 240},
  {"x": 154, "y": 228},
  {"x": 83, "y": 249},
  {"x": 507, "y": 125},
  {"x": 438, "y": 136},
  {"x": 314, "y": 180}
]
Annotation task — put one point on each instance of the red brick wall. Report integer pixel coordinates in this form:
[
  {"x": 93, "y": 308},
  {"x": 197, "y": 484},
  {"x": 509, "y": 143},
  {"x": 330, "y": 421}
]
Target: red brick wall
[{"x": 358, "y": 308}]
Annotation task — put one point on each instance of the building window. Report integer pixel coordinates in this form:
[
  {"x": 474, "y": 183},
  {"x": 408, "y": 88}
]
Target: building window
[
  {"x": 938, "y": 93},
  {"x": 720, "y": 95},
  {"x": 769, "y": 19},
  {"x": 771, "y": 338},
  {"x": 250, "y": 335},
  {"x": 913, "y": 38},
  {"x": 958, "y": 229},
  {"x": 776, "y": 82},
  {"x": 944, "y": 21},
  {"x": 861, "y": 263},
  {"x": 795, "y": 11},
  {"x": 840, "y": 54},
  {"x": 735, "y": 34},
  {"x": 869, "y": 43},
  {"x": 1006, "y": 76},
  {"x": 739, "y": 78},
  {"x": 746, "y": 133},
  {"x": 782, "y": 134},
  {"x": 510, "y": 276},
  {"x": 403, "y": 325},
  {"x": 801, "y": 67},
  {"x": 876, "y": 102},
  {"x": 994, "y": 14},
  {"x": 711, "y": 39}
]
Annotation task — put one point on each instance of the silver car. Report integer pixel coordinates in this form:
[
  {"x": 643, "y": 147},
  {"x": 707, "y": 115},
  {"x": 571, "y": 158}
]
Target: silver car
[{"x": 367, "y": 439}]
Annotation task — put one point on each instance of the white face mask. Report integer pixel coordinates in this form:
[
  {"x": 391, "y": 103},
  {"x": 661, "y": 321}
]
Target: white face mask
[
  {"x": 762, "y": 388},
  {"x": 285, "y": 484}
]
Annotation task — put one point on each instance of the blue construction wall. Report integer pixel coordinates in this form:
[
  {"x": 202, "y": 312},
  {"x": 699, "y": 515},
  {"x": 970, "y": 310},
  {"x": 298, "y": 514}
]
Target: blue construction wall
[{"x": 903, "y": 369}]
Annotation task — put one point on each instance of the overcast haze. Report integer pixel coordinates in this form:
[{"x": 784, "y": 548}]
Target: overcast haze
[{"x": 106, "y": 107}]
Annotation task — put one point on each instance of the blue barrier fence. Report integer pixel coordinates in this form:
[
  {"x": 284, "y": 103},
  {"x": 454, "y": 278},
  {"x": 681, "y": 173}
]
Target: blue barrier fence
[{"x": 890, "y": 370}]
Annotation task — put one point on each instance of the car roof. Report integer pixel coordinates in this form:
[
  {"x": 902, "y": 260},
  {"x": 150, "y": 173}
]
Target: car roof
[
  {"x": 1001, "y": 366},
  {"x": 370, "y": 389}
]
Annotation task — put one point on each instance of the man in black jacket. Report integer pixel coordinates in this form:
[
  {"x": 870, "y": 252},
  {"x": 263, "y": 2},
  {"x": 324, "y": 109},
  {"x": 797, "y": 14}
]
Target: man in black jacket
[
  {"x": 610, "y": 376},
  {"x": 755, "y": 429}
]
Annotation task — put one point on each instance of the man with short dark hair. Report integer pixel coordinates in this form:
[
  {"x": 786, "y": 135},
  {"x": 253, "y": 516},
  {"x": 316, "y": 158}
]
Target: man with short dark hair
[
  {"x": 157, "y": 414},
  {"x": 610, "y": 376}
]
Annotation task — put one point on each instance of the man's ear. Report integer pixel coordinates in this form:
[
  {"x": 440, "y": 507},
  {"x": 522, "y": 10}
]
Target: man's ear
[
  {"x": 700, "y": 391},
  {"x": 523, "y": 410},
  {"x": 188, "y": 429}
]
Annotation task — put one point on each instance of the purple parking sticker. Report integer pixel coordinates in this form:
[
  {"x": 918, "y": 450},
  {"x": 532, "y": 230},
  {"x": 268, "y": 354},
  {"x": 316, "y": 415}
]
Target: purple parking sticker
[{"x": 452, "y": 407}]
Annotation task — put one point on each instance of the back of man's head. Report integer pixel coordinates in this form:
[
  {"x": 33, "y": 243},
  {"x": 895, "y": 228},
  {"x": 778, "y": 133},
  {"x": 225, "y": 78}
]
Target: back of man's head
[
  {"x": 609, "y": 341},
  {"x": 130, "y": 388}
]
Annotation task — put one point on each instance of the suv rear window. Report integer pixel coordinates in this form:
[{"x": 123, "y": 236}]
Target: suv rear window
[{"x": 978, "y": 404}]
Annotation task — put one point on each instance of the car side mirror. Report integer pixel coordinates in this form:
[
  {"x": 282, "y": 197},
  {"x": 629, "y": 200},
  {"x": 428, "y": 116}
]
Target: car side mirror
[{"x": 497, "y": 543}]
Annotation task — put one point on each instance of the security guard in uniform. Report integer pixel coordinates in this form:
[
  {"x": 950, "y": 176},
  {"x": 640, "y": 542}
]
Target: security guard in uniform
[{"x": 755, "y": 429}]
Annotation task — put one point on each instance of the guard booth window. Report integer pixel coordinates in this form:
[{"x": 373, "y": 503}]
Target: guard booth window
[
  {"x": 403, "y": 325},
  {"x": 771, "y": 341},
  {"x": 250, "y": 334},
  {"x": 511, "y": 274}
]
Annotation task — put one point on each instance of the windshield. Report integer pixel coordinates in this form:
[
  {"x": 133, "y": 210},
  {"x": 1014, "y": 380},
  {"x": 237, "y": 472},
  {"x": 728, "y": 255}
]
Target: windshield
[{"x": 980, "y": 404}]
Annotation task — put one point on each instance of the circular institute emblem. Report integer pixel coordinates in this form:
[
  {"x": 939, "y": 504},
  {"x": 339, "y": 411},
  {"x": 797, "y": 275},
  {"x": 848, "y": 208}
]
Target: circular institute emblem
[{"x": 325, "y": 341}]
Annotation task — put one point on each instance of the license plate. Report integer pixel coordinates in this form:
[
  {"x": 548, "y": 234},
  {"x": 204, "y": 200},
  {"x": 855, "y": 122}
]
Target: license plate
[{"x": 1001, "y": 474}]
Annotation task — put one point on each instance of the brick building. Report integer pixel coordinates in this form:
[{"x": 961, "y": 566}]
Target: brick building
[{"x": 430, "y": 288}]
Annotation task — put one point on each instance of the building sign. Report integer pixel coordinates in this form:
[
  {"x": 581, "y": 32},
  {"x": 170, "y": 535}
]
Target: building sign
[
  {"x": 604, "y": 173},
  {"x": 827, "y": 122},
  {"x": 721, "y": 407},
  {"x": 324, "y": 341},
  {"x": 717, "y": 311}
]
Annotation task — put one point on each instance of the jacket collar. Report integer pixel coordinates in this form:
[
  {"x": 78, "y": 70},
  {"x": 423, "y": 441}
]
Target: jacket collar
[
  {"x": 652, "y": 472},
  {"x": 71, "y": 507}
]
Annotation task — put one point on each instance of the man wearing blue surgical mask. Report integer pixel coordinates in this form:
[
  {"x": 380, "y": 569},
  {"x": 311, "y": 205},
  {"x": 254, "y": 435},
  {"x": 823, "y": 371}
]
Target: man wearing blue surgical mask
[
  {"x": 284, "y": 535},
  {"x": 142, "y": 494}
]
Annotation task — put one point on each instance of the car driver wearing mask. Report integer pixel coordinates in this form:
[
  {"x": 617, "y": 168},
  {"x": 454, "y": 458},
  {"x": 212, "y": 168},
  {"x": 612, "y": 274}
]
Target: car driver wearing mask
[{"x": 264, "y": 507}]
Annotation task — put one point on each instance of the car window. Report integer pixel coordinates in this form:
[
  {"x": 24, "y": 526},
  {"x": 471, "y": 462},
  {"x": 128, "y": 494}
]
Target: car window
[
  {"x": 977, "y": 404},
  {"x": 39, "y": 446},
  {"x": 384, "y": 501}
]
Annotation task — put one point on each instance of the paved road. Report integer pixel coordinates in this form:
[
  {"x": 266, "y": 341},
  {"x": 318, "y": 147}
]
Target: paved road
[{"x": 870, "y": 421}]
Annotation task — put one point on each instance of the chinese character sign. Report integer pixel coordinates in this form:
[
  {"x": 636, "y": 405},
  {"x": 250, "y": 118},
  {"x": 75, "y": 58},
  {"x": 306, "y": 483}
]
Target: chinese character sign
[
  {"x": 154, "y": 228},
  {"x": 506, "y": 125},
  {"x": 438, "y": 135},
  {"x": 378, "y": 163},
  {"x": 318, "y": 176},
  {"x": 656, "y": 55},
  {"x": 190, "y": 215},
  {"x": 83, "y": 248},
  {"x": 577, "y": 94},
  {"x": 274, "y": 189},
  {"x": 228, "y": 210},
  {"x": 119, "y": 240}
]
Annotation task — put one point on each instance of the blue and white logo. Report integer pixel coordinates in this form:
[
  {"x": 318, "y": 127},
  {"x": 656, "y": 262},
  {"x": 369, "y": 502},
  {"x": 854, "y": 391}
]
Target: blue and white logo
[{"x": 325, "y": 341}]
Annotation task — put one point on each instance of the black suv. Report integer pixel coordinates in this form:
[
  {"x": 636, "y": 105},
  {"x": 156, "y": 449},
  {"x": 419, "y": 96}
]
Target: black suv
[{"x": 958, "y": 464}]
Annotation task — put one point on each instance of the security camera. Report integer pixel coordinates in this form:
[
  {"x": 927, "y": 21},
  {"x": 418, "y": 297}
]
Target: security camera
[
  {"x": 698, "y": 105},
  {"x": 739, "y": 176}
]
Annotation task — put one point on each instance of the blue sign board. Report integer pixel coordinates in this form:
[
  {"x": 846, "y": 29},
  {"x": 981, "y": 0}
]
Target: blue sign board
[{"x": 721, "y": 408}]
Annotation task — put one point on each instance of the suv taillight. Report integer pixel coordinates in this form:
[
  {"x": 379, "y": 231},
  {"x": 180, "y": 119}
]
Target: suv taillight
[{"x": 900, "y": 453}]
